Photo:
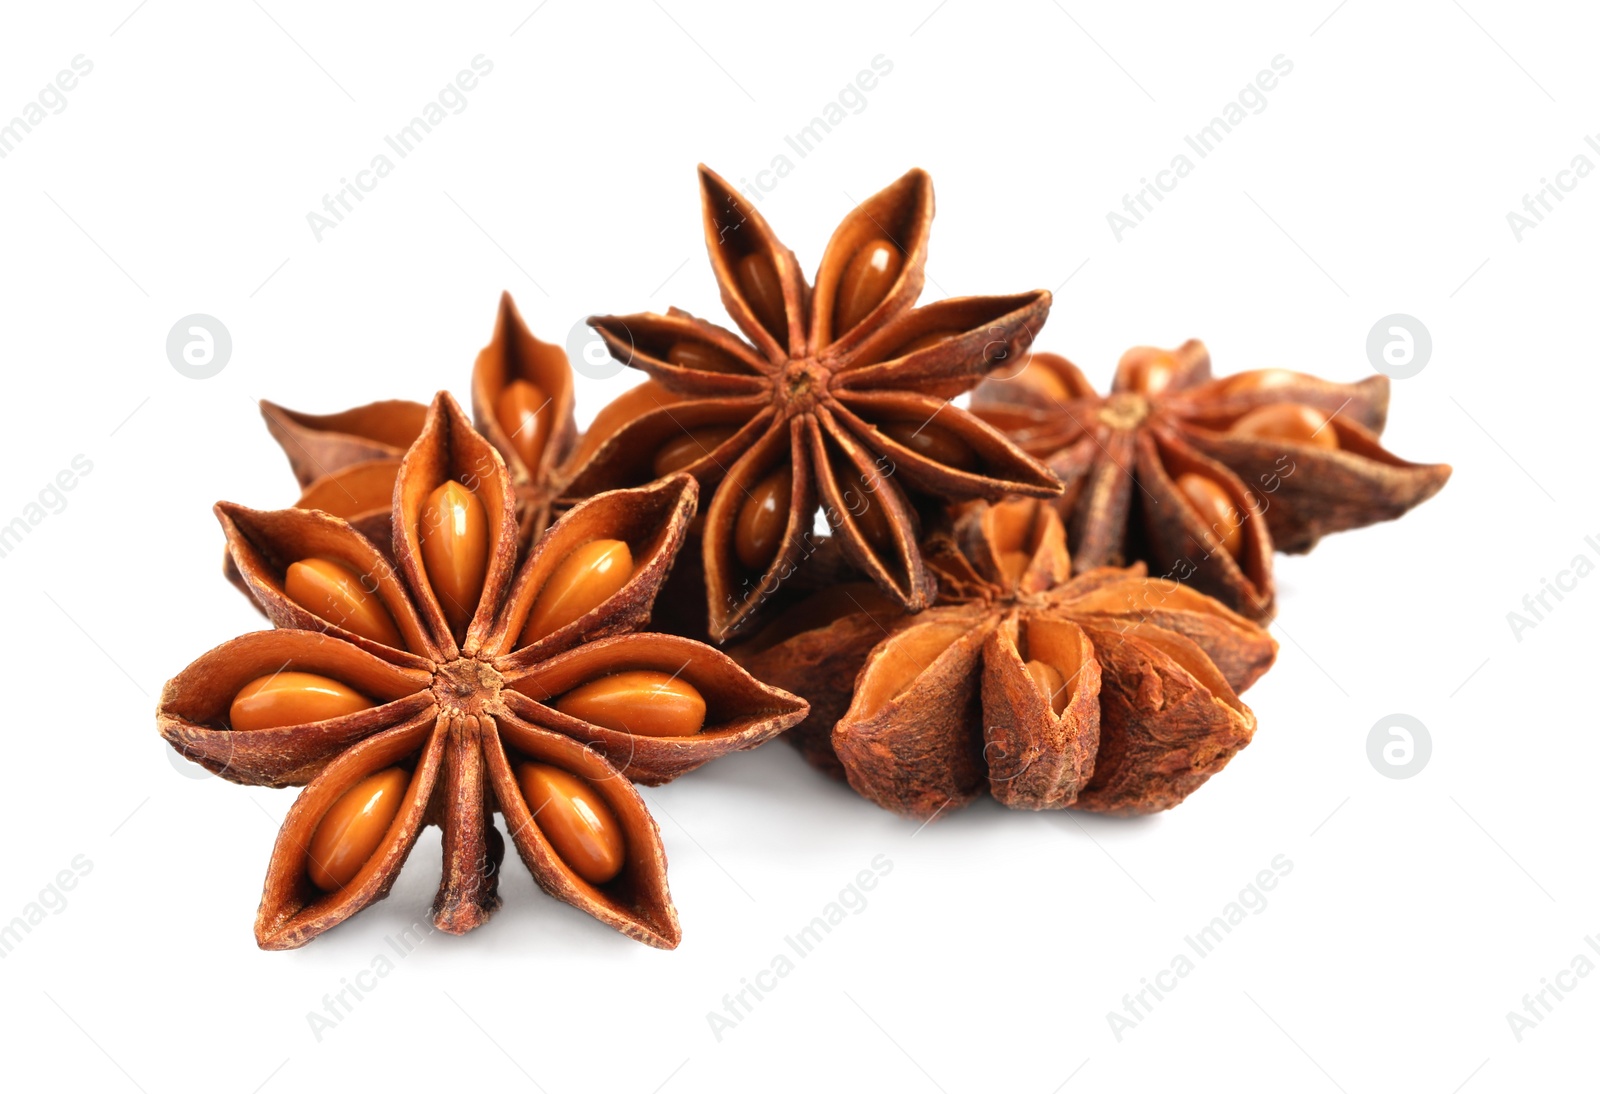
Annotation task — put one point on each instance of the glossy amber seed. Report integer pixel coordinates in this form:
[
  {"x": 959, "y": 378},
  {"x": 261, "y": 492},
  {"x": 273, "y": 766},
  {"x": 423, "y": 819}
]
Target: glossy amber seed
[
  {"x": 576, "y": 820},
  {"x": 1152, "y": 373},
  {"x": 1050, "y": 684},
  {"x": 1294, "y": 423},
  {"x": 333, "y": 591},
  {"x": 936, "y": 443},
  {"x": 523, "y": 411},
  {"x": 353, "y": 828},
  {"x": 640, "y": 701},
  {"x": 1265, "y": 379},
  {"x": 703, "y": 358},
  {"x": 293, "y": 699},
  {"x": 866, "y": 510},
  {"x": 583, "y": 581},
  {"x": 874, "y": 523},
  {"x": 865, "y": 282},
  {"x": 686, "y": 448},
  {"x": 758, "y": 280},
  {"x": 454, "y": 531},
  {"x": 1040, "y": 379},
  {"x": 758, "y": 532},
  {"x": 1216, "y": 509}
]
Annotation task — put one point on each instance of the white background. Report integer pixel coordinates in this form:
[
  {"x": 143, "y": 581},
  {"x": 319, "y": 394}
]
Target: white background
[{"x": 1377, "y": 180}]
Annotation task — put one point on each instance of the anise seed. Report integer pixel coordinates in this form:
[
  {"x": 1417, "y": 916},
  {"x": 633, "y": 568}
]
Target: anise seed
[
  {"x": 938, "y": 445},
  {"x": 523, "y": 411},
  {"x": 1295, "y": 423},
  {"x": 1041, "y": 380},
  {"x": 583, "y": 581},
  {"x": 1264, "y": 379},
  {"x": 866, "y": 281},
  {"x": 575, "y": 819},
  {"x": 293, "y": 699},
  {"x": 762, "y": 519},
  {"x": 455, "y": 550},
  {"x": 758, "y": 280},
  {"x": 1153, "y": 373},
  {"x": 686, "y": 448},
  {"x": 1050, "y": 683},
  {"x": 1216, "y": 510},
  {"x": 353, "y": 828},
  {"x": 703, "y": 358},
  {"x": 875, "y": 524},
  {"x": 640, "y": 701},
  {"x": 867, "y": 511},
  {"x": 333, "y": 591}
]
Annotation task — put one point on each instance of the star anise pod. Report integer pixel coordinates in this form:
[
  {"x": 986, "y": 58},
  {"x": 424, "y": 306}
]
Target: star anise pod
[
  {"x": 1203, "y": 479},
  {"x": 838, "y": 400},
  {"x": 1109, "y": 691},
  {"x": 522, "y": 401},
  {"x": 456, "y": 682}
]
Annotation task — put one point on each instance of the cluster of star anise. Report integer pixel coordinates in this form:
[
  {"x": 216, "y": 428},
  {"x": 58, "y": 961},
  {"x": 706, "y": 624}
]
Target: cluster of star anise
[{"x": 482, "y": 620}]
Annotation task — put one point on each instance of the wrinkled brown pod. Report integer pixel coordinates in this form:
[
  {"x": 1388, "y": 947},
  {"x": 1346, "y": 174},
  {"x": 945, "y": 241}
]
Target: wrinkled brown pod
[
  {"x": 458, "y": 704},
  {"x": 532, "y": 454},
  {"x": 1110, "y": 691},
  {"x": 1202, "y": 478},
  {"x": 836, "y": 398}
]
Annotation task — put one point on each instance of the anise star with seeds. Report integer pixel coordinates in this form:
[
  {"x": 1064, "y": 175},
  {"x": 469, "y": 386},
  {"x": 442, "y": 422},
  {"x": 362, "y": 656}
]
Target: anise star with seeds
[
  {"x": 456, "y": 682},
  {"x": 838, "y": 401},
  {"x": 1202, "y": 478},
  {"x": 1110, "y": 691},
  {"x": 522, "y": 401}
]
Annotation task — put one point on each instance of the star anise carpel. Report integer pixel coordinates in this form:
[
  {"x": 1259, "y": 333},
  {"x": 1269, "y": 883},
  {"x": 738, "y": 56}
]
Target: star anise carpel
[
  {"x": 522, "y": 402},
  {"x": 462, "y": 679},
  {"x": 1201, "y": 478},
  {"x": 836, "y": 398},
  {"x": 1109, "y": 691}
]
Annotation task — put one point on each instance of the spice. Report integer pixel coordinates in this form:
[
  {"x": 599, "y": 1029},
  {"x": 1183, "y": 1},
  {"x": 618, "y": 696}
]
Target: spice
[
  {"x": 586, "y": 578},
  {"x": 522, "y": 402},
  {"x": 293, "y": 698},
  {"x": 457, "y": 711},
  {"x": 1203, "y": 479},
  {"x": 1110, "y": 691},
  {"x": 838, "y": 401}
]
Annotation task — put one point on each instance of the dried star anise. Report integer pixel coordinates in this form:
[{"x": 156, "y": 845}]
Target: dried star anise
[
  {"x": 454, "y": 683},
  {"x": 839, "y": 400},
  {"x": 1203, "y": 479},
  {"x": 522, "y": 401},
  {"x": 1110, "y": 691}
]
